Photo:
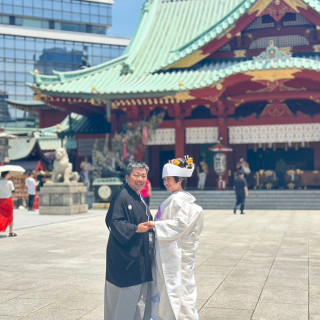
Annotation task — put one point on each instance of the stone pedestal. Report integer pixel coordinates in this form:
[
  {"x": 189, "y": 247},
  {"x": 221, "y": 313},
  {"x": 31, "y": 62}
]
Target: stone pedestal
[{"x": 63, "y": 199}]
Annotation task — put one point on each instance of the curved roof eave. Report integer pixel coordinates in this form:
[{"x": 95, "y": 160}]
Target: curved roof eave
[
  {"x": 140, "y": 26},
  {"x": 64, "y": 125},
  {"x": 190, "y": 80},
  {"x": 251, "y": 67},
  {"x": 21, "y": 148},
  {"x": 73, "y": 75}
]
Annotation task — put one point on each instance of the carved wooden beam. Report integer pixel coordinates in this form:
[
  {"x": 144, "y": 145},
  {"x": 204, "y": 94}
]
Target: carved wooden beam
[
  {"x": 276, "y": 95},
  {"x": 133, "y": 112}
]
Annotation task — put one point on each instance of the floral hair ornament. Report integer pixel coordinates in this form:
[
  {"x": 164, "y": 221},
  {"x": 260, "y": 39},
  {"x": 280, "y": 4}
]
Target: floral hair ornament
[{"x": 178, "y": 168}]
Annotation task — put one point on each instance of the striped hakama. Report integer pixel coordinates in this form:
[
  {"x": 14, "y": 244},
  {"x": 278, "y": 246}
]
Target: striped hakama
[{"x": 128, "y": 303}]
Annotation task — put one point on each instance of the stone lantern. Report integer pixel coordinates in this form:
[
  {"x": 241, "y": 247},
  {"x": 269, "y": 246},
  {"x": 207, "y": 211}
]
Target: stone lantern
[{"x": 4, "y": 145}]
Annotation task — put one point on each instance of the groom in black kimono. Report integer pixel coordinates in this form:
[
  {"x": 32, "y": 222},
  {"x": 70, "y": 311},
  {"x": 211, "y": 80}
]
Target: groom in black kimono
[{"x": 128, "y": 267}]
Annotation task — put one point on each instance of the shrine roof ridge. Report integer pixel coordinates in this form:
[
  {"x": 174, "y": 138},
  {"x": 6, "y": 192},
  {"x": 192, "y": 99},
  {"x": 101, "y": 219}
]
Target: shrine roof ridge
[{"x": 170, "y": 81}]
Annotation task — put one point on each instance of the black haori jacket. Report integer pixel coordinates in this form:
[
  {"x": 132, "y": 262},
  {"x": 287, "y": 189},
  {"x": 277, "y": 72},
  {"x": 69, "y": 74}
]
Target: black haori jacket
[{"x": 128, "y": 258}]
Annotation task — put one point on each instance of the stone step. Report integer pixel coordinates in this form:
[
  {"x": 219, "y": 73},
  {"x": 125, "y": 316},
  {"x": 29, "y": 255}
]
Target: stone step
[{"x": 258, "y": 199}]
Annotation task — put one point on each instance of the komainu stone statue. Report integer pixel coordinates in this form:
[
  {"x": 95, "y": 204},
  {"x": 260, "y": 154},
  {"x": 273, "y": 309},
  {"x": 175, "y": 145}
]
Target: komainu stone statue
[{"x": 62, "y": 168}]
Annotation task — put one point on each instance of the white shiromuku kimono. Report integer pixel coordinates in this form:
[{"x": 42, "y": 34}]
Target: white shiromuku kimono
[{"x": 177, "y": 237}]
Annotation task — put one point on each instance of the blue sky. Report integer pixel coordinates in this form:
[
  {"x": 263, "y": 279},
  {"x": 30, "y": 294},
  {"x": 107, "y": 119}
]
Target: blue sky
[{"x": 125, "y": 17}]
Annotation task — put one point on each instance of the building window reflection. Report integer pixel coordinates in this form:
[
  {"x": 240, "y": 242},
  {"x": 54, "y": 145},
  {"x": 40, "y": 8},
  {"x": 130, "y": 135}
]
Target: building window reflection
[
  {"x": 24, "y": 54},
  {"x": 76, "y": 12},
  {"x": 22, "y": 50}
]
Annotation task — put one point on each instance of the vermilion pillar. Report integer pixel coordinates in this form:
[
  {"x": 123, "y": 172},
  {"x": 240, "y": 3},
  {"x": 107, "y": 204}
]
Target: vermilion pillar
[
  {"x": 180, "y": 139},
  {"x": 139, "y": 154}
]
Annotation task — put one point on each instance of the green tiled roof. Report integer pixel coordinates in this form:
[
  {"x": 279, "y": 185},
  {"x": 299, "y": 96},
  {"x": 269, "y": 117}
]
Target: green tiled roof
[
  {"x": 64, "y": 125},
  {"x": 208, "y": 75},
  {"x": 20, "y": 131},
  {"x": 314, "y": 4},
  {"x": 26, "y": 103},
  {"x": 20, "y": 148},
  {"x": 46, "y": 138},
  {"x": 32, "y": 105},
  {"x": 49, "y": 144},
  {"x": 221, "y": 9},
  {"x": 44, "y": 132},
  {"x": 167, "y": 31},
  {"x": 94, "y": 124}
]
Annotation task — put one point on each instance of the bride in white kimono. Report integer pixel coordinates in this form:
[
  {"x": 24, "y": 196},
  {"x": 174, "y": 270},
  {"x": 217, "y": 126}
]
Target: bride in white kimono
[{"x": 178, "y": 225}]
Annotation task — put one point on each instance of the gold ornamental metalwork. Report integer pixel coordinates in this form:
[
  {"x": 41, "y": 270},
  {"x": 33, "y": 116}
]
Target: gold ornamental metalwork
[
  {"x": 261, "y": 6},
  {"x": 272, "y": 75},
  {"x": 188, "y": 61},
  {"x": 183, "y": 96}
]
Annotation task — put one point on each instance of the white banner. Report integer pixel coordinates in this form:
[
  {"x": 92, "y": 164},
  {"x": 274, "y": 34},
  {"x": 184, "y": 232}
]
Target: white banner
[
  {"x": 307, "y": 132},
  {"x": 162, "y": 137},
  {"x": 201, "y": 135}
]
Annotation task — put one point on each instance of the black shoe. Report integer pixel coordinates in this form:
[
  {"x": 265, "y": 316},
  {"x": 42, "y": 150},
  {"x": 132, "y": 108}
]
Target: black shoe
[
  {"x": 242, "y": 212},
  {"x": 234, "y": 211},
  {"x": 12, "y": 234}
]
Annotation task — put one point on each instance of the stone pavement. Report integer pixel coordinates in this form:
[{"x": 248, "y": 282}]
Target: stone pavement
[{"x": 264, "y": 265}]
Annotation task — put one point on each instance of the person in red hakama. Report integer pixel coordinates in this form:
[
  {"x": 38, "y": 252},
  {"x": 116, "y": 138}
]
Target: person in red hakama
[{"x": 6, "y": 203}]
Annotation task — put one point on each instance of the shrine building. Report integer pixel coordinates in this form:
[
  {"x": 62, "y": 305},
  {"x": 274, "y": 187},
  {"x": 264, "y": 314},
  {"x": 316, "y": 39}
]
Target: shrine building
[{"x": 245, "y": 73}]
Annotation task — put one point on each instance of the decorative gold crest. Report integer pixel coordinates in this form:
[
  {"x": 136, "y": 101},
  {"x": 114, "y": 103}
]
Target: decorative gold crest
[
  {"x": 188, "y": 61},
  {"x": 183, "y": 96},
  {"x": 272, "y": 75}
]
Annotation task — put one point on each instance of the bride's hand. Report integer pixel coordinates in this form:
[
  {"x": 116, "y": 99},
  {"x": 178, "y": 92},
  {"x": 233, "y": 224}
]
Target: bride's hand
[
  {"x": 151, "y": 224},
  {"x": 143, "y": 227}
]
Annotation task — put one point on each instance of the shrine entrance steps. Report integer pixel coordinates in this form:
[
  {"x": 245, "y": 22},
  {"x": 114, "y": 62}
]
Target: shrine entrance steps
[{"x": 257, "y": 200}]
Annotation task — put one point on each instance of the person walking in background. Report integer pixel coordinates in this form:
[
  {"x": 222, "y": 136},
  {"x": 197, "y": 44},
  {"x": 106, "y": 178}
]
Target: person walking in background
[
  {"x": 40, "y": 180},
  {"x": 244, "y": 166},
  {"x": 129, "y": 250},
  {"x": 178, "y": 225},
  {"x": 146, "y": 192},
  {"x": 202, "y": 171},
  {"x": 241, "y": 191},
  {"x": 281, "y": 168},
  {"x": 6, "y": 203},
  {"x": 31, "y": 185}
]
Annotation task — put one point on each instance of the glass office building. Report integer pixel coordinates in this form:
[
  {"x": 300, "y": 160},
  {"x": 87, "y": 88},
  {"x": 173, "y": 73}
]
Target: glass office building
[{"x": 48, "y": 35}]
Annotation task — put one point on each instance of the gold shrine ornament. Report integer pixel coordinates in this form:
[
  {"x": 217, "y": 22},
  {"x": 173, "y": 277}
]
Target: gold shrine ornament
[
  {"x": 183, "y": 96},
  {"x": 272, "y": 75},
  {"x": 189, "y": 60},
  {"x": 261, "y": 5}
]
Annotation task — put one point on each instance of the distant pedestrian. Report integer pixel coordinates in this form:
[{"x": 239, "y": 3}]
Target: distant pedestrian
[
  {"x": 241, "y": 191},
  {"x": 6, "y": 203},
  {"x": 244, "y": 166},
  {"x": 281, "y": 168},
  {"x": 31, "y": 185},
  {"x": 146, "y": 192},
  {"x": 202, "y": 171},
  {"x": 40, "y": 180}
]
